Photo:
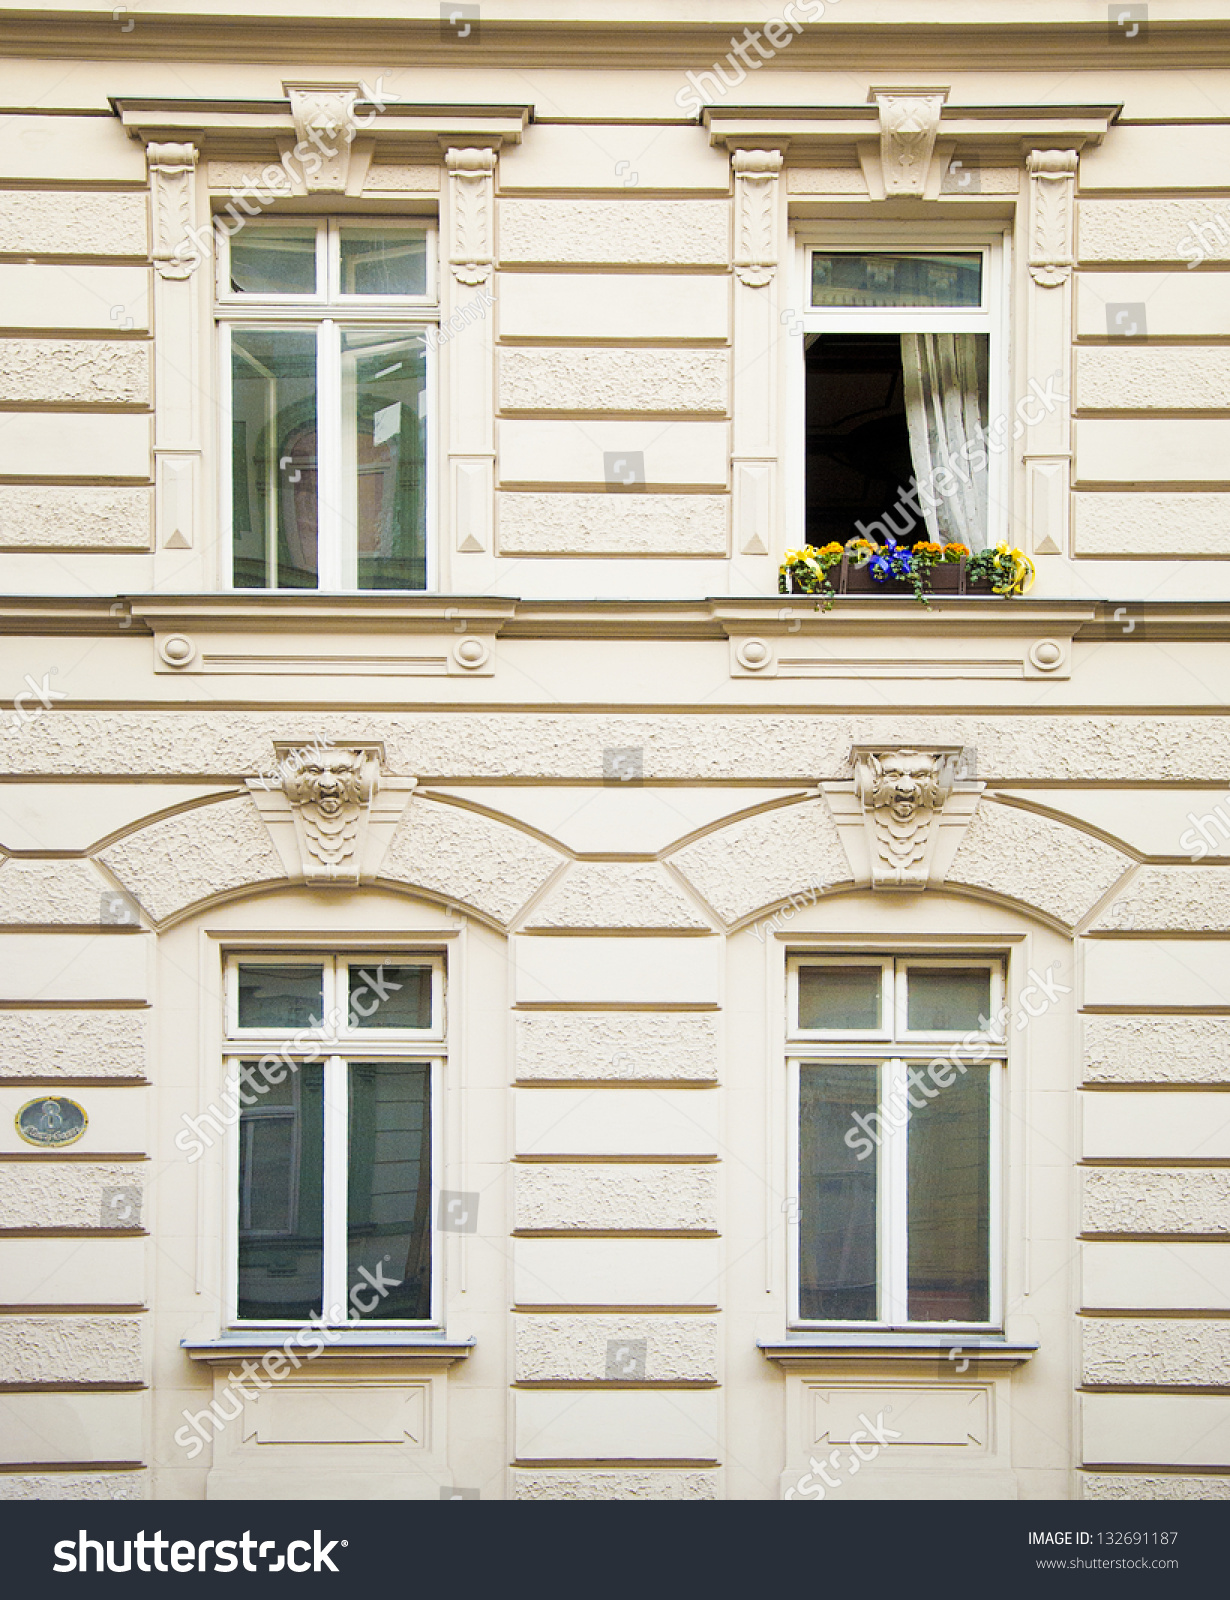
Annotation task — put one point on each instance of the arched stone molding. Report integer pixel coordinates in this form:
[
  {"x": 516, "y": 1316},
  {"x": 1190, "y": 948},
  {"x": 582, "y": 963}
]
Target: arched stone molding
[
  {"x": 612, "y": 894},
  {"x": 195, "y": 856},
  {"x": 469, "y": 857},
  {"x": 748, "y": 868},
  {"x": 208, "y": 853},
  {"x": 1038, "y": 862},
  {"x": 744, "y": 868}
]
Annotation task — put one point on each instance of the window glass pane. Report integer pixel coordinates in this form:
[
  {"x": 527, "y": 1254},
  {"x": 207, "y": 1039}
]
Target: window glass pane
[
  {"x": 385, "y": 440},
  {"x": 281, "y": 1199},
  {"x": 840, "y": 997},
  {"x": 274, "y": 261},
  {"x": 837, "y": 1194},
  {"x": 388, "y": 1220},
  {"x": 383, "y": 261},
  {"x": 382, "y": 996},
  {"x": 274, "y": 462},
  {"x": 880, "y": 278},
  {"x": 279, "y": 996},
  {"x": 949, "y": 1204},
  {"x": 947, "y": 999}
]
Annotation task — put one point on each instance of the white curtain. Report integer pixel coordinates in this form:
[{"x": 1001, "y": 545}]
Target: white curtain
[{"x": 945, "y": 407}]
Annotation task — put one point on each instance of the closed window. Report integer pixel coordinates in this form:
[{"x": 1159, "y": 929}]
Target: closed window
[
  {"x": 334, "y": 1061},
  {"x": 328, "y": 377},
  {"x": 896, "y": 1069}
]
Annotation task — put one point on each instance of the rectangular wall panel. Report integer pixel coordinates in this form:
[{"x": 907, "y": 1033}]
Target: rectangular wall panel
[
  {"x": 1157, "y": 1126},
  {"x": 608, "y": 1425},
  {"x": 616, "y": 1272},
  {"x": 564, "y": 971},
  {"x": 617, "y": 1121},
  {"x": 1143, "y": 973}
]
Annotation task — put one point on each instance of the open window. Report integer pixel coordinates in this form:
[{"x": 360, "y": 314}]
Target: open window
[{"x": 904, "y": 416}]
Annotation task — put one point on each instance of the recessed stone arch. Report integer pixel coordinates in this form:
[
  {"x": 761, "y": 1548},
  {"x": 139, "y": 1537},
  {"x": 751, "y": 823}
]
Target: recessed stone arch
[{"x": 446, "y": 852}]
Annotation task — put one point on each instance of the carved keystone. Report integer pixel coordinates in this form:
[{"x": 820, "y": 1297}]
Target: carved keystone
[
  {"x": 902, "y": 816},
  {"x": 909, "y": 122},
  {"x": 324, "y": 118}
]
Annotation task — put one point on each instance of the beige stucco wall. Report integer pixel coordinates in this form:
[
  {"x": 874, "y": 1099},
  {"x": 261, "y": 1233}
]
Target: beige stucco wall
[{"x": 615, "y": 1093}]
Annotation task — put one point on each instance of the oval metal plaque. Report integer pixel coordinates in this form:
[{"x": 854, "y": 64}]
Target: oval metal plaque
[{"x": 51, "y": 1122}]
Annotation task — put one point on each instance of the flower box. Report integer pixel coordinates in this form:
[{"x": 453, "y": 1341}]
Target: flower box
[
  {"x": 946, "y": 578},
  {"x": 866, "y": 568}
]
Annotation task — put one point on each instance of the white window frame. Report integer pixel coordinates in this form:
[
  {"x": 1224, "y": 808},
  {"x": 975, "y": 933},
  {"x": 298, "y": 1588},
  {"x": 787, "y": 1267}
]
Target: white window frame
[
  {"x": 893, "y": 1057},
  {"x": 993, "y": 317},
  {"x": 327, "y": 312},
  {"x": 339, "y": 1048}
]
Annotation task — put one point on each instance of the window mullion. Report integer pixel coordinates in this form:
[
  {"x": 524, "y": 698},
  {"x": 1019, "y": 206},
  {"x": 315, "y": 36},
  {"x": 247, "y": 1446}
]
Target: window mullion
[
  {"x": 894, "y": 1267},
  {"x": 337, "y": 1113},
  {"x": 330, "y": 489}
]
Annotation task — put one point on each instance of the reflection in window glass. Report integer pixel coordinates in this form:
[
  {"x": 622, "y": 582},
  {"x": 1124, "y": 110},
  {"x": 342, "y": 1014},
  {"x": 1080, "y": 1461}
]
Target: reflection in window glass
[
  {"x": 285, "y": 996},
  {"x": 837, "y": 1195},
  {"x": 881, "y": 278},
  {"x": 273, "y": 261},
  {"x": 383, "y": 996},
  {"x": 274, "y": 455},
  {"x": 388, "y": 1232},
  {"x": 840, "y": 997},
  {"x": 281, "y": 1199},
  {"x": 383, "y": 261},
  {"x": 949, "y": 1204},
  {"x": 384, "y": 394},
  {"x": 947, "y": 999}
]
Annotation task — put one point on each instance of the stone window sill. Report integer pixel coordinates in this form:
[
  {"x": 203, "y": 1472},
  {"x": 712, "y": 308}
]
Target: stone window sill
[
  {"x": 849, "y": 1349},
  {"x": 351, "y": 1344}
]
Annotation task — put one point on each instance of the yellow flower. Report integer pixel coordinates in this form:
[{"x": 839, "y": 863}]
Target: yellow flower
[{"x": 954, "y": 552}]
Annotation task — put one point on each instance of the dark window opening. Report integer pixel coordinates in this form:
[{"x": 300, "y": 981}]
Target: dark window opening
[{"x": 858, "y": 441}]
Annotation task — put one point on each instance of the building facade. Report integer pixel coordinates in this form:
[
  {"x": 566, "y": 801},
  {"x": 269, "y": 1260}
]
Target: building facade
[{"x": 499, "y": 997}]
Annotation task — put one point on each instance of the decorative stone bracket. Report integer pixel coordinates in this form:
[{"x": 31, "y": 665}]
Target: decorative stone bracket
[
  {"x": 325, "y": 120},
  {"x": 909, "y": 122},
  {"x": 756, "y": 173},
  {"x": 471, "y": 191},
  {"x": 1052, "y": 183},
  {"x": 328, "y": 810},
  {"x": 902, "y": 816},
  {"x": 172, "y": 177}
]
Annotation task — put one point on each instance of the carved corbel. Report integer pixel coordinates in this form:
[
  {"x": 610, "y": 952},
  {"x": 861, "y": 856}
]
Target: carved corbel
[
  {"x": 471, "y": 185},
  {"x": 903, "y": 814},
  {"x": 330, "y": 789},
  {"x": 329, "y": 810},
  {"x": 1052, "y": 184},
  {"x": 172, "y": 183},
  {"x": 324, "y": 120},
  {"x": 909, "y": 122},
  {"x": 756, "y": 173}
]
